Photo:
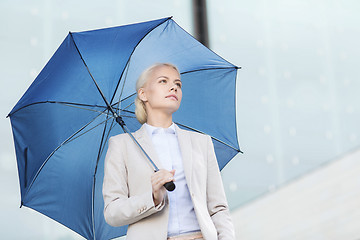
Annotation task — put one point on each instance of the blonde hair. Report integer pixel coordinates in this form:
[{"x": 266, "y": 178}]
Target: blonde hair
[{"x": 140, "y": 109}]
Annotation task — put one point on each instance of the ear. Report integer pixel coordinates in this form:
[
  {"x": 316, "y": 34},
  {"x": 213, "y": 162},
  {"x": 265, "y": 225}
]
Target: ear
[{"x": 142, "y": 95}]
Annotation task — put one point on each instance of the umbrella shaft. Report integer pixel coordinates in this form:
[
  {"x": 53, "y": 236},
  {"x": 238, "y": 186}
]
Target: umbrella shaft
[{"x": 124, "y": 127}]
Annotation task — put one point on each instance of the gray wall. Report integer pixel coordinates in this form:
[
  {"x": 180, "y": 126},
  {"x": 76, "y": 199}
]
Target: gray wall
[{"x": 323, "y": 204}]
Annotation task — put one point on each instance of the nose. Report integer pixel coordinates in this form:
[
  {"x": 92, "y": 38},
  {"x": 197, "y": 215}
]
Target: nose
[{"x": 174, "y": 88}]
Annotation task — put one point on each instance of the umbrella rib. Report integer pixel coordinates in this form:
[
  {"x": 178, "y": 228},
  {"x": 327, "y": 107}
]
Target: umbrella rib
[
  {"x": 92, "y": 77},
  {"x": 117, "y": 103},
  {"x": 127, "y": 111},
  {"x": 195, "y": 130},
  {"x": 72, "y": 139},
  {"x": 107, "y": 137},
  {"x": 122, "y": 89},
  {"x": 101, "y": 150},
  {"x": 58, "y": 102},
  {"x": 204, "y": 69},
  {"x": 94, "y": 181},
  {"x": 128, "y": 106},
  {"x": 102, "y": 112},
  {"x": 53, "y": 152},
  {"x": 128, "y": 97},
  {"x": 128, "y": 61},
  {"x": 130, "y": 117}
]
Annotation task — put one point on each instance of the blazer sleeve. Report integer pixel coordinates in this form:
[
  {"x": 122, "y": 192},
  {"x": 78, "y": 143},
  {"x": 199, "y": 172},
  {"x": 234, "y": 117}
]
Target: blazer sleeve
[
  {"x": 216, "y": 198},
  {"x": 119, "y": 208}
]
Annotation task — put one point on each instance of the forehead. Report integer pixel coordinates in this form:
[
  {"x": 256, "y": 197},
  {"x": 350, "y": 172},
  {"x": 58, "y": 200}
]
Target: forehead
[{"x": 166, "y": 71}]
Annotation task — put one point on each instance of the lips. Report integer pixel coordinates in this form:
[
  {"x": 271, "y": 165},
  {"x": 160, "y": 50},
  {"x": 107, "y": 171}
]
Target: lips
[{"x": 172, "y": 96}]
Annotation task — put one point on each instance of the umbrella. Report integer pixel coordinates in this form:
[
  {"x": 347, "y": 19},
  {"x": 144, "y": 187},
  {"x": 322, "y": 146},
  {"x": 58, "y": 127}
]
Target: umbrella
[{"x": 62, "y": 123}]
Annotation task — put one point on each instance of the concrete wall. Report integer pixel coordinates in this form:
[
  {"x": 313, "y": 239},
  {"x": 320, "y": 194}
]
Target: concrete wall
[{"x": 324, "y": 204}]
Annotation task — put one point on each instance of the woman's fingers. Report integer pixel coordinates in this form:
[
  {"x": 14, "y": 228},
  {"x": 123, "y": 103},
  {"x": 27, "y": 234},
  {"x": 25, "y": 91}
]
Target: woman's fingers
[
  {"x": 162, "y": 176},
  {"x": 158, "y": 179},
  {"x": 172, "y": 172}
]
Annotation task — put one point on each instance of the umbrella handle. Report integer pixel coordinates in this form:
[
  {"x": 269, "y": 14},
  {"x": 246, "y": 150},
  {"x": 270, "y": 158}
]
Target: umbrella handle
[{"x": 170, "y": 186}]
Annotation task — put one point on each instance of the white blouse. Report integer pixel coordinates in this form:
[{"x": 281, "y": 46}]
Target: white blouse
[{"x": 182, "y": 218}]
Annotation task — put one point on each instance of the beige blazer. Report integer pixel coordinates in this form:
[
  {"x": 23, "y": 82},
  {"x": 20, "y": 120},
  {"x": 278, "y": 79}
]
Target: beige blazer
[{"x": 127, "y": 189}]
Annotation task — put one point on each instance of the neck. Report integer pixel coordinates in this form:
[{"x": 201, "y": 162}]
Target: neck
[{"x": 159, "y": 119}]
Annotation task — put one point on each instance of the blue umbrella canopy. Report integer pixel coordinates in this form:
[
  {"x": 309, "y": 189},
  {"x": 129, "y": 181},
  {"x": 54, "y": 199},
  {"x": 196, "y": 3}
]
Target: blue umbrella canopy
[{"x": 62, "y": 123}]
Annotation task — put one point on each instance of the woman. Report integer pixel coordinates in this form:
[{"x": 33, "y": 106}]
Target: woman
[{"x": 134, "y": 195}]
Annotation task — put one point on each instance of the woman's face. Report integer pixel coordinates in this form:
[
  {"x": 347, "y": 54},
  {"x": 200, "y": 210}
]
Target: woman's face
[{"x": 162, "y": 91}]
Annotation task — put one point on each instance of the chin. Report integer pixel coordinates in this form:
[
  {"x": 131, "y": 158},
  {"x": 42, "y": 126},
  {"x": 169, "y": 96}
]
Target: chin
[
  {"x": 172, "y": 110},
  {"x": 173, "y": 106}
]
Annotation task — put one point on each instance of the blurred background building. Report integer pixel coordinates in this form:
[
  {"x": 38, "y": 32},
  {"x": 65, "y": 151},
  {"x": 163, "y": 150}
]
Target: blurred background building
[{"x": 297, "y": 101}]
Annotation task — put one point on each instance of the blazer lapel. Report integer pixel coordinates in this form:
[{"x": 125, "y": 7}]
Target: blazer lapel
[
  {"x": 145, "y": 142},
  {"x": 185, "y": 148},
  {"x": 184, "y": 139}
]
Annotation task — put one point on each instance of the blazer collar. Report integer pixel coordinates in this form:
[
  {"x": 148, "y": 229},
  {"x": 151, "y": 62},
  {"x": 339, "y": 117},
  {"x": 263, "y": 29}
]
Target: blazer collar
[{"x": 144, "y": 140}]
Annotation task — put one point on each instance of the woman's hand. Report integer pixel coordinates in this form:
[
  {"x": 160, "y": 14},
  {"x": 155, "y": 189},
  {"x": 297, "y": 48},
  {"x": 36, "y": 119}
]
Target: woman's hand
[{"x": 158, "y": 179}]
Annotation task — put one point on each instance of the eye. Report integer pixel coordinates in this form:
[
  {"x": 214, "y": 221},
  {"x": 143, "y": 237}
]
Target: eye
[
  {"x": 162, "y": 81},
  {"x": 179, "y": 85}
]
